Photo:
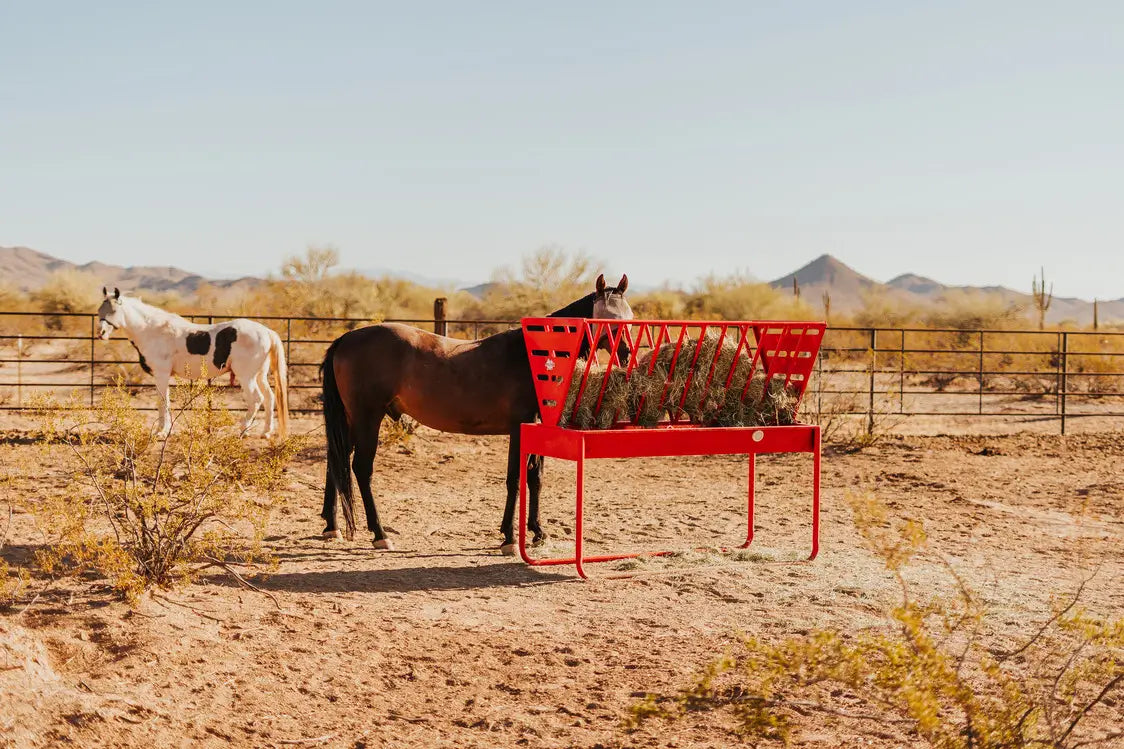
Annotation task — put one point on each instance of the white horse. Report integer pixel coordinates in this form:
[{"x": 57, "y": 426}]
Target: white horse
[{"x": 170, "y": 345}]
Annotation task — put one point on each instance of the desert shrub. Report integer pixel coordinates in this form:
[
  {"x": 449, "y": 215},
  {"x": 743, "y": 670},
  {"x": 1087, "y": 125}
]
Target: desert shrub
[
  {"x": 973, "y": 310},
  {"x": 397, "y": 432},
  {"x": 737, "y": 297},
  {"x": 157, "y": 512},
  {"x": 167, "y": 299},
  {"x": 881, "y": 308},
  {"x": 660, "y": 304},
  {"x": 11, "y": 298},
  {"x": 67, "y": 291},
  {"x": 309, "y": 286},
  {"x": 929, "y": 669},
  {"x": 14, "y": 582},
  {"x": 548, "y": 278}
]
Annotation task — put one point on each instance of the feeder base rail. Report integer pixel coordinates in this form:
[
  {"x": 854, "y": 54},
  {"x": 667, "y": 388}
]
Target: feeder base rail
[{"x": 578, "y": 445}]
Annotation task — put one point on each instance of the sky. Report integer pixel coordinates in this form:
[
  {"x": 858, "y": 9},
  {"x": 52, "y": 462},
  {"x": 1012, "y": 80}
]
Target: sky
[{"x": 970, "y": 142}]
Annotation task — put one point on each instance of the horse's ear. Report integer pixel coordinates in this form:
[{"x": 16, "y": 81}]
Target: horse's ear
[
  {"x": 116, "y": 293},
  {"x": 601, "y": 284},
  {"x": 105, "y": 292},
  {"x": 623, "y": 284}
]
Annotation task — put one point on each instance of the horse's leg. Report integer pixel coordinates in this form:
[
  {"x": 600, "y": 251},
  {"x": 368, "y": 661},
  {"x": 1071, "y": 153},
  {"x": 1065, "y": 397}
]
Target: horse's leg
[
  {"x": 267, "y": 392},
  {"x": 363, "y": 465},
  {"x": 252, "y": 395},
  {"x": 534, "y": 484},
  {"x": 507, "y": 526},
  {"x": 164, "y": 425},
  {"x": 329, "y": 512}
]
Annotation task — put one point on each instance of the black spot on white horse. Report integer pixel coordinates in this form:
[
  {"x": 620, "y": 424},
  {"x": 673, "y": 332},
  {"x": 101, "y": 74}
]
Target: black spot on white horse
[
  {"x": 143, "y": 364},
  {"x": 223, "y": 341},
  {"x": 199, "y": 343}
]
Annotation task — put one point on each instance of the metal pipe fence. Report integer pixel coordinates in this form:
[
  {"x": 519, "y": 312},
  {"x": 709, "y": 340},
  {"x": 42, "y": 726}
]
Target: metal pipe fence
[{"x": 870, "y": 373}]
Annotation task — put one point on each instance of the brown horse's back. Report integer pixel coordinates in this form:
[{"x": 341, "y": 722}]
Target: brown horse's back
[{"x": 468, "y": 387}]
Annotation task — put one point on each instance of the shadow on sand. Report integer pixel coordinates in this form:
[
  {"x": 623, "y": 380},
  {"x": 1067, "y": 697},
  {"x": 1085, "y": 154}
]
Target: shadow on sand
[{"x": 404, "y": 579}]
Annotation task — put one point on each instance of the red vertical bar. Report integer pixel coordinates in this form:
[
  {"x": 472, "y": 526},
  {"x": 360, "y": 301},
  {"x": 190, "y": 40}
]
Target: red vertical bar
[
  {"x": 752, "y": 492},
  {"x": 743, "y": 337},
  {"x": 579, "y": 512},
  {"x": 815, "y": 495}
]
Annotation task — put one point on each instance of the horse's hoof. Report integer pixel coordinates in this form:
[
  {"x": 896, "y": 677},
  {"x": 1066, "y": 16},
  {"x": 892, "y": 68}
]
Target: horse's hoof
[
  {"x": 508, "y": 550},
  {"x": 539, "y": 540},
  {"x": 331, "y": 535},
  {"x": 383, "y": 543}
]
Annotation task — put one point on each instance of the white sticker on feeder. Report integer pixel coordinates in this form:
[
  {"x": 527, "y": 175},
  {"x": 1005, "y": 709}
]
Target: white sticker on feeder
[
  {"x": 549, "y": 365},
  {"x": 758, "y": 436}
]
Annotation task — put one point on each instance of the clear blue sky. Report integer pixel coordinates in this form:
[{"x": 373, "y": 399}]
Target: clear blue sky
[{"x": 967, "y": 141}]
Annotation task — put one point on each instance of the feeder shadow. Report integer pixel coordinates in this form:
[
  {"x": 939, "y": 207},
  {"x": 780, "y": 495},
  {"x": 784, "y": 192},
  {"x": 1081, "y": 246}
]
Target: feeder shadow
[{"x": 403, "y": 579}]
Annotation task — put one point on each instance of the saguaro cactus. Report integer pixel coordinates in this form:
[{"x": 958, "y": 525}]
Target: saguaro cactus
[{"x": 1042, "y": 298}]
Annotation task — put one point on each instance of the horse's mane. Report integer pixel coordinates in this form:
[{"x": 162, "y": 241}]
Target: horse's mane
[
  {"x": 160, "y": 317},
  {"x": 580, "y": 308}
]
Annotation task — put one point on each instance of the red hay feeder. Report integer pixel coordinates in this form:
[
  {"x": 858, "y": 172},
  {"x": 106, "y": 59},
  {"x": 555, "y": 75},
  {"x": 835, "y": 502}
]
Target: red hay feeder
[{"x": 779, "y": 351}]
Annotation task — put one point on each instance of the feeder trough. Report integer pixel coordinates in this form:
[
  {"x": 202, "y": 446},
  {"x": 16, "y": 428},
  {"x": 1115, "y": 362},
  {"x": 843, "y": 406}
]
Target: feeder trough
[{"x": 666, "y": 388}]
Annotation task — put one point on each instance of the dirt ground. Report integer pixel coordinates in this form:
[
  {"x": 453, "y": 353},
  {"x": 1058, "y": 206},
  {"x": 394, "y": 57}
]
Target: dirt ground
[{"x": 445, "y": 643}]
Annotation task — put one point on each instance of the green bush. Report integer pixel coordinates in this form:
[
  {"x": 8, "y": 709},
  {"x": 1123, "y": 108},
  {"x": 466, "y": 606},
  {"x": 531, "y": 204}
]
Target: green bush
[{"x": 930, "y": 669}]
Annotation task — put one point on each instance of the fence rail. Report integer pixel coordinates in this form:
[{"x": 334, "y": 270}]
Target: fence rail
[{"x": 864, "y": 372}]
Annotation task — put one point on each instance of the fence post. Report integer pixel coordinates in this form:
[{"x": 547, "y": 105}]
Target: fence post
[
  {"x": 440, "y": 326},
  {"x": 819, "y": 387},
  {"x": 288, "y": 339},
  {"x": 980, "y": 410},
  {"x": 93, "y": 335},
  {"x": 901, "y": 374},
  {"x": 1058, "y": 375},
  {"x": 873, "y": 366},
  {"x": 1065, "y": 375},
  {"x": 19, "y": 371}
]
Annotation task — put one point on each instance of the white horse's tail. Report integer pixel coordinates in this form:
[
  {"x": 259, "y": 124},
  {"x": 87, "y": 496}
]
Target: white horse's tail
[{"x": 281, "y": 375}]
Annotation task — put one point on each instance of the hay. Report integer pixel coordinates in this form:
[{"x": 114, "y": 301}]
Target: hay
[
  {"x": 689, "y": 396},
  {"x": 614, "y": 401},
  {"x": 659, "y": 388}
]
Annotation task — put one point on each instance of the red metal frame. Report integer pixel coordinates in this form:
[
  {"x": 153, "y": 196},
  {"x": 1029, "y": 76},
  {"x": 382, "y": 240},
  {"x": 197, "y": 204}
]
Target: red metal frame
[{"x": 776, "y": 349}]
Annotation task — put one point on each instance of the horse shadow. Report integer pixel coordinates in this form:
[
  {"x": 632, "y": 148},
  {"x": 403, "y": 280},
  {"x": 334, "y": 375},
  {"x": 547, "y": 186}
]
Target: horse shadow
[{"x": 404, "y": 579}]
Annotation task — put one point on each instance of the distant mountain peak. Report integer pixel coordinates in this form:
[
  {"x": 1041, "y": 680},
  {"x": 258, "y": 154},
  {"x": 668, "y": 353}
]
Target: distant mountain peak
[
  {"x": 826, "y": 271},
  {"x": 916, "y": 284}
]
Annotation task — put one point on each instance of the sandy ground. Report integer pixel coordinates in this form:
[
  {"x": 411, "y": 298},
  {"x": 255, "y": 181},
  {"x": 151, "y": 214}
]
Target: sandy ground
[{"x": 443, "y": 642}]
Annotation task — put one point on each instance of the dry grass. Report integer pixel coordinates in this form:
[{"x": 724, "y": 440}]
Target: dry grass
[{"x": 930, "y": 670}]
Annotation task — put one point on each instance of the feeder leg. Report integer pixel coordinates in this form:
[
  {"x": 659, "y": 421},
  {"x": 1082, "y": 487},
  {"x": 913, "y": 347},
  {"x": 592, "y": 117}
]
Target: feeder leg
[
  {"x": 815, "y": 495},
  {"x": 752, "y": 490},
  {"x": 579, "y": 515},
  {"x": 523, "y": 509}
]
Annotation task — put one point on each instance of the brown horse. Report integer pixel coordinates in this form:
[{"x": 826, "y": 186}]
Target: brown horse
[{"x": 466, "y": 387}]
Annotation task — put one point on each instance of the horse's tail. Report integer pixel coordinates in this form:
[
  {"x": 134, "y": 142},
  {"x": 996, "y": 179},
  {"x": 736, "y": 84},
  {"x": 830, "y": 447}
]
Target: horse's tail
[
  {"x": 281, "y": 376},
  {"x": 338, "y": 433}
]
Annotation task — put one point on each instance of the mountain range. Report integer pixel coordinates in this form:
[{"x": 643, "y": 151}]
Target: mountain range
[
  {"x": 847, "y": 288},
  {"x": 28, "y": 269}
]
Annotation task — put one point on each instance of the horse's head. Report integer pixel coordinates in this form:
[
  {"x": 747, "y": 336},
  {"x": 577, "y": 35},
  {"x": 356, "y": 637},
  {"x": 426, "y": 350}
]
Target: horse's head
[
  {"x": 111, "y": 315},
  {"x": 609, "y": 302}
]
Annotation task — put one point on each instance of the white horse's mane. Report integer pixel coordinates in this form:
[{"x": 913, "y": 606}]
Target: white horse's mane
[{"x": 159, "y": 317}]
